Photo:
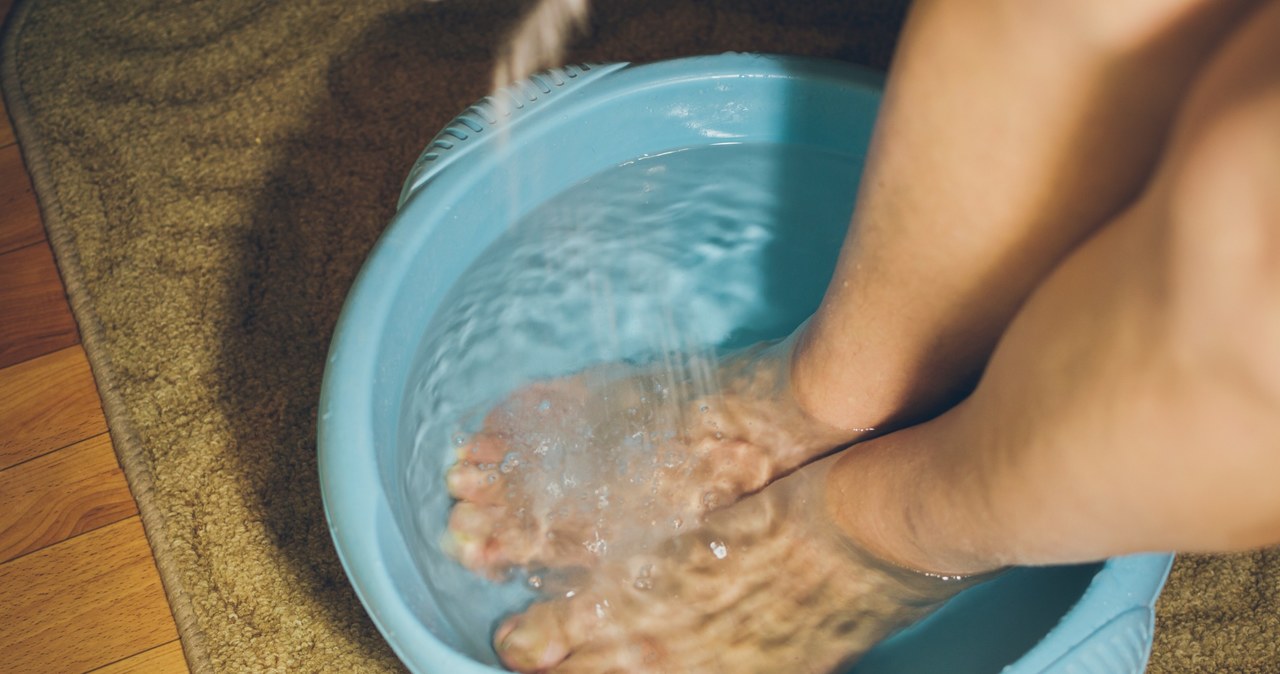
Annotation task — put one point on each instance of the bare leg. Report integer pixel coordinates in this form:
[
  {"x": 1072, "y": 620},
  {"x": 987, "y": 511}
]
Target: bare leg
[
  {"x": 1133, "y": 403},
  {"x": 1009, "y": 132}
]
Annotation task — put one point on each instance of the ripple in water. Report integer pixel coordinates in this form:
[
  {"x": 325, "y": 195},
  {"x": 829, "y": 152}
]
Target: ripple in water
[{"x": 681, "y": 253}]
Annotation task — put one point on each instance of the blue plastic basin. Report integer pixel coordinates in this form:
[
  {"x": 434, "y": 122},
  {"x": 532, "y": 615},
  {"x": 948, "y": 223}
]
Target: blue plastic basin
[{"x": 558, "y": 129}]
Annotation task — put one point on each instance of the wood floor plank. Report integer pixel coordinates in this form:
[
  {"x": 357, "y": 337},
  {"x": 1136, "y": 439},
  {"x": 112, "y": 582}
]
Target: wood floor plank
[
  {"x": 19, "y": 214},
  {"x": 6, "y": 127},
  {"x": 166, "y": 659},
  {"x": 46, "y": 404},
  {"x": 6, "y": 131},
  {"x": 61, "y": 494},
  {"x": 83, "y": 603},
  {"x": 35, "y": 318}
]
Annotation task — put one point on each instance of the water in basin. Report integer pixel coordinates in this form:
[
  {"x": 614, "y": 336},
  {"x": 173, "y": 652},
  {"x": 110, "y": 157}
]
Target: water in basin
[{"x": 690, "y": 251}]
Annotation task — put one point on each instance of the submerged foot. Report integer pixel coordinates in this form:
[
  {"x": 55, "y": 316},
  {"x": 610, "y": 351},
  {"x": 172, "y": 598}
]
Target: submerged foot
[
  {"x": 766, "y": 585},
  {"x": 620, "y": 457}
]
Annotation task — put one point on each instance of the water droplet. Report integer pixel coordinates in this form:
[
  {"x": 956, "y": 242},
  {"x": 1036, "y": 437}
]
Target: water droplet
[
  {"x": 535, "y": 582},
  {"x": 719, "y": 435},
  {"x": 676, "y": 523},
  {"x": 544, "y": 405},
  {"x": 720, "y": 550},
  {"x": 570, "y": 594},
  {"x": 710, "y": 499},
  {"x": 458, "y": 439},
  {"x": 704, "y": 409},
  {"x": 491, "y": 479}
]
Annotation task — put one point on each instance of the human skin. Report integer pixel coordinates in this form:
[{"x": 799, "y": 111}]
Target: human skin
[
  {"x": 1131, "y": 401},
  {"x": 1009, "y": 132}
]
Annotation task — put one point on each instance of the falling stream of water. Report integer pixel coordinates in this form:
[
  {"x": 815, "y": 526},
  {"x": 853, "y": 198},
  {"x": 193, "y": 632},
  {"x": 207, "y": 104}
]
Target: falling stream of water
[{"x": 539, "y": 39}]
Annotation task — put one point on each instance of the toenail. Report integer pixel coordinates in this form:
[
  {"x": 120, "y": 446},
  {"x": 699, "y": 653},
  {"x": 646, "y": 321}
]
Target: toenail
[
  {"x": 504, "y": 631},
  {"x": 454, "y": 478},
  {"x": 520, "y": 646},
  {"x": 462, "y": 547}
]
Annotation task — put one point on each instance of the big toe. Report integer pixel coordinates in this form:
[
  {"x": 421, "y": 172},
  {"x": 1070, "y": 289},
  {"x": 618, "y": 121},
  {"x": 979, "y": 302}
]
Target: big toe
[{"x": 538, "y": 639}]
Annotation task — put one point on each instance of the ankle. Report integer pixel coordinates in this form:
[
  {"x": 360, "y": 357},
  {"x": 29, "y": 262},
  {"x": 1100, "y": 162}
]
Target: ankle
[
  {"x": 818, "y": 381},
  {"x": 882, "y": 497}
]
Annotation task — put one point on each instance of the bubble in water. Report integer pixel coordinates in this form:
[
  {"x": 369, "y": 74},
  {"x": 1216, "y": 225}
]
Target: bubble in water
[
  {"x": 535, "y": 582},
  {"x": 491, "y": 479},
  {"x": 676, "y": 523},
  {"x": 459, "y": 439},
  {"x": 596, "y": 546},
  {"x": 644, "y": 581},
  {"x": 510, "y": 462},
  {"x": 704, "y": 409},
  {"x": 720, "y": 550},
  {"x": 544, "y": 406}
]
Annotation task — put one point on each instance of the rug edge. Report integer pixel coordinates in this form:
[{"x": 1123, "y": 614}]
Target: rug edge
[{"x": 123, "y": 438}]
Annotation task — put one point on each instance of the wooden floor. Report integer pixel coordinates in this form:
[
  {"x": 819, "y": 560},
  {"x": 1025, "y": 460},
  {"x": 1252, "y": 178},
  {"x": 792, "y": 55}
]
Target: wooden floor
[{"x": 79, "y": 590}]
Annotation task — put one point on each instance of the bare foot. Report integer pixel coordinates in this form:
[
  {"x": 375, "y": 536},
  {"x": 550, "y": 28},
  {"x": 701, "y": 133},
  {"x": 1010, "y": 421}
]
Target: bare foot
[
  {"x": 621, "y": 457},
  {"x": 766, "y": 585}
]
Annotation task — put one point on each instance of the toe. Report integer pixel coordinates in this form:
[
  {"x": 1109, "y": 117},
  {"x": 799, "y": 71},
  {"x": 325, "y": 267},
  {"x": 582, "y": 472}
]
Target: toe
[
  {"x": 538, "y": 639},
  {"x": 485, "y": 449},
  {"x": 470, "y": 538},
  {"x": 468, "y": 482}
]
